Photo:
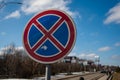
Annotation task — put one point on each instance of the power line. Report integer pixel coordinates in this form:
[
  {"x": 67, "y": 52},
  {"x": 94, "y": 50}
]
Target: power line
[{"x": 3, "y": 3}]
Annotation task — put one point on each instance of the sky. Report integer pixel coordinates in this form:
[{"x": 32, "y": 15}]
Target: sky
[{"x": 97, "y": 25}]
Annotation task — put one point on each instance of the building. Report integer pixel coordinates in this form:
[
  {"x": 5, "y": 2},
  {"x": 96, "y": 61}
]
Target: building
[
  {"x": 71, "y": 59},
  {"x": 74, "y": 59}
]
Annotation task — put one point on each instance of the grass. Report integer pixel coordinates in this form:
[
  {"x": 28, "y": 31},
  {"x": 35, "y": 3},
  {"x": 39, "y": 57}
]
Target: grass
[{"x": 116, "y": 76}]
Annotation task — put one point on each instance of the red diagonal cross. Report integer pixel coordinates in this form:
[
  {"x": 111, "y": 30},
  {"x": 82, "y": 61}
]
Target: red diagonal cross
[{"x": 48, "y": 35}]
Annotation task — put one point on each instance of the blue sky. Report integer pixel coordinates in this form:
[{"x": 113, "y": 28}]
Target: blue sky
[{"x": 97, "y": 24}]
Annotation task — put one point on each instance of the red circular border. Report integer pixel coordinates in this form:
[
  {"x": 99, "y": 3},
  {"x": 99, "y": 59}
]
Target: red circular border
[{"x": 57, "y": 57}]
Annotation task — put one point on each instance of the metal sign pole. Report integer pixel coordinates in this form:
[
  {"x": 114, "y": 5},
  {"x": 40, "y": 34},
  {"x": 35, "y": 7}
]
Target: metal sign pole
[
  {"x": 48, "y": 72},
  {"x": 49, "y": 37}
]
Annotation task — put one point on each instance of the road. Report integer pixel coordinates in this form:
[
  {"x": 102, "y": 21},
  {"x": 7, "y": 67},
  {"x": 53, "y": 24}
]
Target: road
[
  {"x": 104, "y": 77},
  {"x": 89, "y": 76}
]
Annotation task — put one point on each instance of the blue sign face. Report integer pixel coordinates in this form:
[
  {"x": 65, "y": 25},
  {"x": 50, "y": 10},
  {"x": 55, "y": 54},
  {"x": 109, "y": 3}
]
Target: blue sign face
[{"x": 50, "y": 35}]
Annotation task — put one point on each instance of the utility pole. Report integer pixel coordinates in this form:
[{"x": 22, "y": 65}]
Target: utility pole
[{"x": 97, "y": 60}]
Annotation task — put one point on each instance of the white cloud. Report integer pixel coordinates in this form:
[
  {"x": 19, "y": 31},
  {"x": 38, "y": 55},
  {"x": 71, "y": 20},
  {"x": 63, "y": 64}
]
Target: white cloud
[
  {"x": 33, "y": 6},
  {"x": 19, "y": 48},
  {"x": 82, "y": 55},
  {"x": 106, "y": 48},
  {"x": 3, "y": 33},
  {"x": 3, "y": 50},
  {"x": 94, "y": 34},
  {"x": 92, "y": 55},
  {"x": 15, "y": 14},
  {"x": 73, "y": 54},
  {"x": 113, "y": 15},
  {"x": 88, "y": 56},
  {"x": 1, "y": 0},
  {"x": 1, "y": 53},
  {"x": 16, "y": 48},
  {"x": 116, "y": 57},
  {"x": 117, "y": 44}
]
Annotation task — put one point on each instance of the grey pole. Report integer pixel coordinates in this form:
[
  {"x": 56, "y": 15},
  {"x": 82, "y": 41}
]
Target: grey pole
[{"x": 48, "y": 72}]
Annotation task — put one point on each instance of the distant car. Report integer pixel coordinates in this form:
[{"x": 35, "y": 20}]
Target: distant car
[{"x": 103, "y": 72}]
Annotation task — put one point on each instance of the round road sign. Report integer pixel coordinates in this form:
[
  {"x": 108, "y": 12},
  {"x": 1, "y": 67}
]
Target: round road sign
[{"x": 49, "y": 36}]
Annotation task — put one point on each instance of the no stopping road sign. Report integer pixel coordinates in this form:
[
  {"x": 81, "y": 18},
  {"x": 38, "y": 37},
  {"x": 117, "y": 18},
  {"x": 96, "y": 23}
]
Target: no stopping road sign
[{"x": 49, "y": 36}]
